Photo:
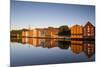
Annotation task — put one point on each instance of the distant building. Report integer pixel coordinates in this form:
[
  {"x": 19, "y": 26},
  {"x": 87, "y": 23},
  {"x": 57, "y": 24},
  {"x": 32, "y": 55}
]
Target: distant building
[
  {"x": 89, "y": 30},
  {"x": 30, "y": 33},
  {"x": 33, "y": 33},
  {"x": 25, "y": 32},
  {"x": 53, "y": 32},
  {"x": 76, "y": 31},
  {"x": 41, "y": 32},
  {"x": 47, "y": 32}
]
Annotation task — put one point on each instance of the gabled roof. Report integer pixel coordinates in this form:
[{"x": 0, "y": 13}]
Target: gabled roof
[{"x": 88, "y": 23}]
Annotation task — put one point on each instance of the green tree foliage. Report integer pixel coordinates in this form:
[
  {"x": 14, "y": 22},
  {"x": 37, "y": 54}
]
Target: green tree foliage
[
  {"x": 16, "y": 32},
  {"x": 64, "y": 31}
]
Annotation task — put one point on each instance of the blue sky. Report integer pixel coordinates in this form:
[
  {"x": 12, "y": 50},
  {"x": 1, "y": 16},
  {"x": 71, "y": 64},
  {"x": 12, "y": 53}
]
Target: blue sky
[{"x": 36, "y": 14}]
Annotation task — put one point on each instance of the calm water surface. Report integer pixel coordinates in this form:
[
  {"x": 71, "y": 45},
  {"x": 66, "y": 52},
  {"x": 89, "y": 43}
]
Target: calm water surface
[{"x": 33, "y": 51}]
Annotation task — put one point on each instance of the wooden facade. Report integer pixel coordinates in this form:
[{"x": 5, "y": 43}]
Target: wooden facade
[
  {"x": 89, "y": 30},
  {"x": 76, "y": 31},
  {"x": 25, "y": 32},
  {"x": 48, "y": 32}
]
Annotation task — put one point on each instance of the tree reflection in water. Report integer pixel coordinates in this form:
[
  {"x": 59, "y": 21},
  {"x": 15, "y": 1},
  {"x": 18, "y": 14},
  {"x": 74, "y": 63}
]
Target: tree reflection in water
[
  {"x": 77, "y": 47},
  {"x": 64, "y": 44}
]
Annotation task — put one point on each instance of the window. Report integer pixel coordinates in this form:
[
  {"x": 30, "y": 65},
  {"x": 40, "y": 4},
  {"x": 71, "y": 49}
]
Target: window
[
  {"x": 88, "y": 34},
  {"x": 88, "y": 29}
]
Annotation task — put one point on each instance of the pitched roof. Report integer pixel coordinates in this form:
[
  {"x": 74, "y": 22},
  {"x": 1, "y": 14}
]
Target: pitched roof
[{"x": 89, "y": 23}]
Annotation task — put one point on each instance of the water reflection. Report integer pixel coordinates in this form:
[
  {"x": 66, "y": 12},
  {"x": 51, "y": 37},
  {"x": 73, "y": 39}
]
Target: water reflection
[
  {"x": 88, "y": 47},
  {"x": 77, "y": 46},
  {"x": 64, "y": 44},
  {"x": 77, "y": 50}
]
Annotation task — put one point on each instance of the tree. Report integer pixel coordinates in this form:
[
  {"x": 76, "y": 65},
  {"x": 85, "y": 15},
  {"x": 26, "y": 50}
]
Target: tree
[
  {"x": 64, "y": 31},
  {"x": 64, "y": 44}
]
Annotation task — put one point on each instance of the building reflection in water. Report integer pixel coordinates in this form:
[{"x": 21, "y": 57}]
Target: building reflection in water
[
  {"x": 77, "y": 47},
  {"x": 34, "y": 42},
  {"x": 24, "y": 40},
  {"x": 48, "y": 43},
  {"x": 89, "y": 48}
]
